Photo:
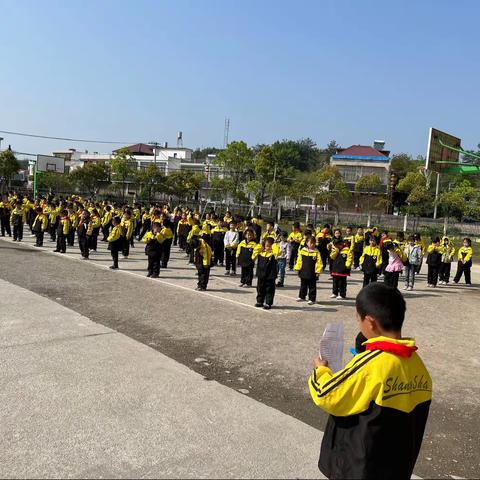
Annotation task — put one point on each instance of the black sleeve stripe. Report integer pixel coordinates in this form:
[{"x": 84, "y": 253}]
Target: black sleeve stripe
[
  {"x": 321, "y": 393},
  {"x": 344, "y": 372}
]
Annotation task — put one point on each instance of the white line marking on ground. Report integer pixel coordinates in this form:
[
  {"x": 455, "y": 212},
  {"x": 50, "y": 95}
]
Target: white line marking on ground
[{"x": 157, "y": 280}]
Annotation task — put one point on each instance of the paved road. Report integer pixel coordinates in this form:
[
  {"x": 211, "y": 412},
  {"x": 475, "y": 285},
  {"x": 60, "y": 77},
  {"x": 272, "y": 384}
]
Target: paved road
[
  {"x": 80, "y": 400},
  {"x": 268, "y": 353}
]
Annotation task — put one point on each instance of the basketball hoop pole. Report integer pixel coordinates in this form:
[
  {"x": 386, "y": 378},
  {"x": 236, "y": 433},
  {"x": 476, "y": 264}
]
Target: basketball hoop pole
[{"x": 437, "y": 191}]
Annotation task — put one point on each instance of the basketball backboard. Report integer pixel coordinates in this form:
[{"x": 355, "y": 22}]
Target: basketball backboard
[
  {"x": 46, "y": 163},
  {"x": 439, "y": 156}
]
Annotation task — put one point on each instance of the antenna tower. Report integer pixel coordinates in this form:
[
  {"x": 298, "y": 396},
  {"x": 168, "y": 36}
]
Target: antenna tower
[{"x": 225, "y": 132}]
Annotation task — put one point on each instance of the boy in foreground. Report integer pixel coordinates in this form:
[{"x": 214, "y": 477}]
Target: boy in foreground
[{"x": 379, "y": 403}]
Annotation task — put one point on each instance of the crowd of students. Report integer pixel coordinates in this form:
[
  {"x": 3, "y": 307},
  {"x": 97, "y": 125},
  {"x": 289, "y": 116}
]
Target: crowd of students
[{"x": 237, "y": 244}]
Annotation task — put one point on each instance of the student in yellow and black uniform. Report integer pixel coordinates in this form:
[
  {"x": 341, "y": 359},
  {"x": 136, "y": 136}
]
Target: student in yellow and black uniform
[
  {"x": 40, "y": 224},
  {"x": 206, "y": 233},
  {"x": 434, "y": 262},
  {"x": 5, "y": 213},
  {"x": 295, "y": 238},
  {"x": 465, "y": 254},
  {"x": 379, "y": 403},
  {"x": 84, "y": 232},
  {"x": 146, "y": 224},
  {"x": 324, "y": 237},
  {"x": 349, "y": 236},
  {"x": 106, "y": 222},
  {"x": 342, "y": 257},
  {"x": 127, "y": 226},
  {"x": 358, "y": 246},
  {"x": 115, "y": 241},
  {"x": 309, "y": 266},
  {"x": 153, "y": 249},
  {"x": 448, "y": 255},
  {"x": 167, "y": 243},
  {"x": 203, "y": 259},
  {"x": 269, "y": 232},
  {"x": 195, "y": 231},
  {"x": 97, "y": 225},
  {"x": 385, "y": 241},
  {"x": 18, "y": 218},
  {"x": 63, "y": 227},
  {"x": 74, "y": 219},
  {"x": 183, "y": 228},
  {"x": 371, "y": 261},
  {"x": 218, "y": 235},
  {"x": 53, "y": 219},
  {"x": 267, "y": 271},
  {"x": 245, "y": 251}
]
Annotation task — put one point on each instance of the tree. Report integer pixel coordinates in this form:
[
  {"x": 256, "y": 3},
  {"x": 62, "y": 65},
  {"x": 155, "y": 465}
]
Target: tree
[
  {"x": 420, "y": 198},
  {"x": 402, "y": 163},
  {"x": 9, "y": 166},
  {"x": 368, "y": 188},
  {"x": 53, "y": 181},
  {"x": 91, "y": 177},
  {"x": 300, "y": 154},
  {"x": 236, "y": 161},
  {"x": 331, "y": 148},
  {"x": 324, "y": 186},
  {"x": 199, "y": 154},
  {"x": 271, "y": 176},
  {"x": 183, "y": 184},
  {"x": 456, "y": 202},
  {"x": 122, "y": 166},
  {"x": 150, "y": 180}
]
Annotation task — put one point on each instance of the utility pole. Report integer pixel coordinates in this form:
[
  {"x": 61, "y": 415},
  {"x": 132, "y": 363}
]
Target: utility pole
[{"x": 155, "y": 145}]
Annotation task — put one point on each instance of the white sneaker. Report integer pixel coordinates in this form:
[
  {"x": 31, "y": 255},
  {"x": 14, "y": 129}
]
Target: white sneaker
[
  {"x": 300, "y": 299},
  {"x": 339, "y": 297},
  {"x": 311, "y": 302},
  {"x": 333, "y": 295},
  {"x": 405, "y": 287},
  {"x": 410, "y": 289}
]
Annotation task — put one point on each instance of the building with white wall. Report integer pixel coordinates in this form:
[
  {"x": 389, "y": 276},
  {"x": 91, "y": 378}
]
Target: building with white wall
[{"x": 359, "y": 160}]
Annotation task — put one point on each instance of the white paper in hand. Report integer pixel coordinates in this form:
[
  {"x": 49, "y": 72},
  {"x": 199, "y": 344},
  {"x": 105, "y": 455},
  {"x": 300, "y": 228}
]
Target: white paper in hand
[{"x": 331, "y": 346}]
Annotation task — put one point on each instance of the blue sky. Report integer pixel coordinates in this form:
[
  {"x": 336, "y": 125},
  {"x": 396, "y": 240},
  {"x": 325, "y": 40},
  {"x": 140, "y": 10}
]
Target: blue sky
[{"x": 353, "y": 71}]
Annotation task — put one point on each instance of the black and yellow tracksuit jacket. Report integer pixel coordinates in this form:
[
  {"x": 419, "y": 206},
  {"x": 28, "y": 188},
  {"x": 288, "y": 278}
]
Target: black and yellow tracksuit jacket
[
  {"x": 245, "y": 253},
  {"x": 153, "y": 242},
  {"x": 371, "y": 259},
  {"x": 267, "y": 265},
  {"x": 342, "y": 261},
  {"x": 465, "y": 254},
  {"x": 183, "y": 228},
  {"x": 358, "y": 244},
  {"x": 40, "y": 223},
  {"x": 18, "y": 217},
  {"x": 203, "y": 255},
  {"x": 63, "y": 226},
  {"x": 128, "y": 228},
  {"x": 378, "y": 406},
  {"x": 448, "y": 250},
  {"x": 434, "y": 257},
  {"x": 309, "y": 264},
  {"x": 115, "y": 239}
]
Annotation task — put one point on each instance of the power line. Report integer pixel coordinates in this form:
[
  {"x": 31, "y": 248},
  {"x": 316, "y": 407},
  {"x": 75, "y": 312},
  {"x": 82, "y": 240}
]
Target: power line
[{"x": 22, "y": 134}]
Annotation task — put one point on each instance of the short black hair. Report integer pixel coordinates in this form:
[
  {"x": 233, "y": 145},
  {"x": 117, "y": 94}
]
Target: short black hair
[
  {"x": 195, "y": 242},
  {"x": 383, "y": 303}
]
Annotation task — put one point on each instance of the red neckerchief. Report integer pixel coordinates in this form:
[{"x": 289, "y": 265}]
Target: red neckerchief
[{"x": 397, "y": 349}]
